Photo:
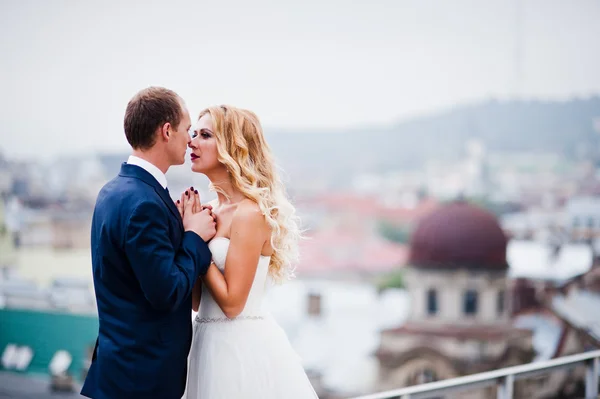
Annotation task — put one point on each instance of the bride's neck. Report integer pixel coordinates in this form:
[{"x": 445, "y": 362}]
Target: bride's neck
[{"x": 226, "y": 193}]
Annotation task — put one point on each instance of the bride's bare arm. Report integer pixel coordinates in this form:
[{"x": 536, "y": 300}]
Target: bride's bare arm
[{"x": 248, "y": 236}]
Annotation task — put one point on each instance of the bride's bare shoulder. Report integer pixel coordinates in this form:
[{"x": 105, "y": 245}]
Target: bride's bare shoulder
[
  {"x": 248, "y": 209},
  {"x": 248, "y": 212}
]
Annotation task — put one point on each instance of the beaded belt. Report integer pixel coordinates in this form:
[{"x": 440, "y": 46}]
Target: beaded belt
[{"x": 225, "y": 319}]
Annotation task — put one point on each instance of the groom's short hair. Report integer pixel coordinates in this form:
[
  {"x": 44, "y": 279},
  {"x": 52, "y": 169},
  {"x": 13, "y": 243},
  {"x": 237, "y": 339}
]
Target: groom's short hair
[{"x": 148, "y": 110}]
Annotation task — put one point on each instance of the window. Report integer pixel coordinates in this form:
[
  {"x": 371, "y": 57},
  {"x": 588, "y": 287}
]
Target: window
[
  {"x": 500, "y": 304},
  {"x": 470, "y": 302},
  {"x": 314, "y": 304},
  {"x": 426, "y": 376},
  {"x": 432, "y": 303},
  {"x": 422, "y": 376}
]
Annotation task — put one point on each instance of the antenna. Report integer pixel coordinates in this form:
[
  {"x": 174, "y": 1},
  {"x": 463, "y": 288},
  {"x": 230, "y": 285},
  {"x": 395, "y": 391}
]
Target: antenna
[{"x": 518, "y": 78}]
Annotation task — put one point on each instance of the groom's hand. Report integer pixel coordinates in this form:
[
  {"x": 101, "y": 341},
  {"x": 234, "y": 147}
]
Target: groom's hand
[{"x": 201, "y": 223}]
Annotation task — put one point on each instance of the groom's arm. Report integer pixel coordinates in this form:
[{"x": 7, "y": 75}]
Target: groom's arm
[{"x": 166, "y": 274}]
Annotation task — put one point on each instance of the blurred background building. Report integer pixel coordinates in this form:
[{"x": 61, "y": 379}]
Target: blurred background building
[{"x": 444, "y": 159}]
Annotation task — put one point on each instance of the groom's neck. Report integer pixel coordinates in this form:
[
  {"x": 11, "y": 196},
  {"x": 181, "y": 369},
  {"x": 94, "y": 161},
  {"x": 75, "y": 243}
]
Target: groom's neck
[{"x": 153, "y": 156}]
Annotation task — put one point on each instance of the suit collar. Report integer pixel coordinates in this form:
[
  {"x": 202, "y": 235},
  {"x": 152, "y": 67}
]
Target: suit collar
[
  {"x": 150, "y": 168},
  {"x": 137, "y": 172}
]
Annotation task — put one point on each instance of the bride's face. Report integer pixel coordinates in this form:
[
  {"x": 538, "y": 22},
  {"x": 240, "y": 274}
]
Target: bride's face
[{"x": 204, "y": 146}]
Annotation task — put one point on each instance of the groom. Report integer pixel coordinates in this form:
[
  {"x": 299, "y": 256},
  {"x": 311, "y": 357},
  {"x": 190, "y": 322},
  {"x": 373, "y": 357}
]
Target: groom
[{"x": 146, "y": 259}]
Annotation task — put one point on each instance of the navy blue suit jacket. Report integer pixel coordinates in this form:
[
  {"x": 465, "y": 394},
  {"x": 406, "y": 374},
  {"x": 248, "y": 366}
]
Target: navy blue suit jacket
[{"x": 144, "y": 268}]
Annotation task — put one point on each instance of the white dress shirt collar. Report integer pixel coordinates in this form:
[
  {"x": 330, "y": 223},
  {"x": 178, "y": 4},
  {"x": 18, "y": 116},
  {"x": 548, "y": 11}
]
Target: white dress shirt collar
[{"x": 150, "y": 168}]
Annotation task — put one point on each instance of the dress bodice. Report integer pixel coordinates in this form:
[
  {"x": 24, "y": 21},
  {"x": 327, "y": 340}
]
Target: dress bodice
[{"x": 209, "y": 309}]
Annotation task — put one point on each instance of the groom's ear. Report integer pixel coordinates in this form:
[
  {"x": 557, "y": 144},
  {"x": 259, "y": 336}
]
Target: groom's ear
[{"x": 165, "y": 131}]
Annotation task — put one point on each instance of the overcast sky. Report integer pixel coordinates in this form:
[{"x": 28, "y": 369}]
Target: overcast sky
[{"x": 68, "y": 68}]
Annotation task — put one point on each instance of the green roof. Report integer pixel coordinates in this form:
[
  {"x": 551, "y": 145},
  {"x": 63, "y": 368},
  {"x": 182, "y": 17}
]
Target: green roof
[{"x": 46, "y": 333}]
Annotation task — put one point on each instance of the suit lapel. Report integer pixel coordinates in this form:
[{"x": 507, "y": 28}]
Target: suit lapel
[
  {"x": 139, "y": 173},
  {"x": 169, "y": 202}
]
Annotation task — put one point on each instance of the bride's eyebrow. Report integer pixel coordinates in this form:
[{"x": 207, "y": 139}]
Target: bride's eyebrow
[{"x": 205, "y": 130}]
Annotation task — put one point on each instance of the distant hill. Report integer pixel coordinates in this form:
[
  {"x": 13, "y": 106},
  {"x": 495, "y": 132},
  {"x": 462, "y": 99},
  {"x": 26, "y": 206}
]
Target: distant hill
[{"x": 562, "y": 127}]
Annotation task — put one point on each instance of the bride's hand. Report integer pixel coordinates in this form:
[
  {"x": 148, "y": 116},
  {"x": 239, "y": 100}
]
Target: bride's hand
[
  {"x": 179, "y": 204},
  {"x": 198, "y": 207}
]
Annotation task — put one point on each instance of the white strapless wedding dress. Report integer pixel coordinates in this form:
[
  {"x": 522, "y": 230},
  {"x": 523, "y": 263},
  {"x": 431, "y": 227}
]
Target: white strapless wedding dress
[{"x": 248, "y": 357}]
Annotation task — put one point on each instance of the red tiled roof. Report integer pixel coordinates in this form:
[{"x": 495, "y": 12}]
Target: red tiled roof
[
  {"x": 408, "y": 215},
  {"x": 343, "y": 250}
]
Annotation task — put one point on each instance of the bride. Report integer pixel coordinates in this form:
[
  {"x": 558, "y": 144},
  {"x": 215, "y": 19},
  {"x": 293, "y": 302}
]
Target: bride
[{"x": 238, "y": 350}]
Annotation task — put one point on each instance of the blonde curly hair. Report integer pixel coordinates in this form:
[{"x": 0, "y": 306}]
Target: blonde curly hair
[{"x": 242, "y": 148}]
